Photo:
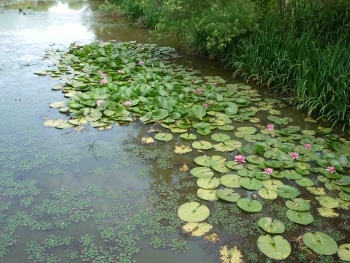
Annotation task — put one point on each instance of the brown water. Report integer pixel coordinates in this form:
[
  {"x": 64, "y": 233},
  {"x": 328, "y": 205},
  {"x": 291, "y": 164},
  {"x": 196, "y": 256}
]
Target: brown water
[{"x": 74, "y": 160}]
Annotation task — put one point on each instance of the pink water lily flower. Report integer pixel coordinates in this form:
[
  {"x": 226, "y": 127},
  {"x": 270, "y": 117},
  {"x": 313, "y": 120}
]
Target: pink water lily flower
[
  {"x": 240, "y": 158},
  {"x": 127, "y": 103},
  {"x": 103, "y": 81},
  {"x": 270, "y": 127},
  {"x": 268, "y": 171},
  {"x": 206, "y": 105},
  {"x": 141, "y": 62},
  {"x": 294, "y": 155},
  {"x": 87, "y": 75},
  {"x": 198, "y": 91},
  {"x": 99, "y": 102},
  {"x": 331, "y": 169},
  {"x": 120, "y": 72},
  {"x": 215, "y": 84},
  {"x": 307, "y": 146}
]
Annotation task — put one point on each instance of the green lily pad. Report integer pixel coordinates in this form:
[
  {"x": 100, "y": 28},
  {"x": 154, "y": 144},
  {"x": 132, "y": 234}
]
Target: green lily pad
[
  {"x": 250, "y": 183},
  {"x": 250, "y": 206},
  {"x": 273, "y": 164},
  {"x": 222, "y": 147},
  {"x": 193, "y": 212},
  {"x": 327, "y": 212},
  {"x": 300, "y": 217},
  {"x": 291, "y": 174},
  {"x": 220, "y": 167},
  {"x": 220, "y": 137},
  {"x": 267, "y": 193},
  {"x": 188, "y": 136},
  {"x": 202, "y": 145},
  {"x": 204, "y": 161},
  {"x": 58, "y": 104},
  {"x": 228, "y": 195},
  {"x": 327, "y": 201},
  {"x": 202, "y": 172},
  {"x": 320, "y": 243},
  {"x": 272, "y": 184},
  {"x": 255, "y": 159},
  {"x": 344, "y": 252},
  {"x": 230, "y": 180},
  {"x": 208, "y": 183},
  {"x": 234, "y": 165},
  {"x": 275, "y": 247},
  {"x": 287, "y": 191},
  {"x": 271, "y": 226},
  {"x": 162, "y": 136},
  {"x": 298, "y": 204},
  {"x": 316, "y": 190},
  {"x": 305, "y": 182},
  {"x": 207, "y": 194}
]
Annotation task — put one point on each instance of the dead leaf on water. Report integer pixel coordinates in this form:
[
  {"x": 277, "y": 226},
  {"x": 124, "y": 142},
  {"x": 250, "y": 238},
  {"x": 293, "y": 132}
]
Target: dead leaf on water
[
  {"x": 147, "y": 140},
  {"x": 232, "y": 255},
  {"x": 183, "y": 168}
]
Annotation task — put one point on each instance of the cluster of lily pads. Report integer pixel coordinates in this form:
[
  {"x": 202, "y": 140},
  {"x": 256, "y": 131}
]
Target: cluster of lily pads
[{"x": 116, "y": 82}]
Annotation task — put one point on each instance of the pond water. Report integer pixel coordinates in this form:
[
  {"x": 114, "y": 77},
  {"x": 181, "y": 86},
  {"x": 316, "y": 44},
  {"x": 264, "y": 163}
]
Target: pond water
[{"x": 80, "y": 194}]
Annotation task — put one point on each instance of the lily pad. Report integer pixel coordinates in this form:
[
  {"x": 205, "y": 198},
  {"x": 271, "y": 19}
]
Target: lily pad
[
  {"x": 163, "y": 136},
  {"x": 208, "y": 183},
  {"x": 271, "y": 226},
  {"x": 287, "y": 191},
  {"x": 327, "y": 212},
  {"x": 207, "y": 194},
  {"x": 327, "y": 201},
  {"x": 228, "y": 195},
  {"x": 298, "y": 204},
  {"x": 320, "y": 243},
  {"x": 202, "y": 172},
  {"x": 344, "y": 252},
  {"x": 193, "y": 212},
  {"x": 250, "y": 206},
  {"x": 182, "y": 149},
  {"x": 230, "y": 180},
  {"x": 202, "y": 145},
  {"x": 197, "y": 229},
  {"x": 250, "y": 183},
  {"x": 220, "y": 137},
  {"x": 275, "y": 247},
  {"x": 306, "y": 182},
  {"x": 232, "y": 255},
  {"x": 300, "y": 217},
  {"x": 188, "y": 136},
  {"x": 272, "y": 184},
  {"x": 267, "y": 194}
]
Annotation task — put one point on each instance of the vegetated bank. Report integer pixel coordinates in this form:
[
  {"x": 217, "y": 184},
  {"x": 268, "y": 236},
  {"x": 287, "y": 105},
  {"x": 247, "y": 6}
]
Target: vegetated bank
[{"x": 296, "y": 46}]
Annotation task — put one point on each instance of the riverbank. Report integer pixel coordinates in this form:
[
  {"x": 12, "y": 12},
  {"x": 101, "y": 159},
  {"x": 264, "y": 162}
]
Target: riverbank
[{"x": 299, "y": 49}]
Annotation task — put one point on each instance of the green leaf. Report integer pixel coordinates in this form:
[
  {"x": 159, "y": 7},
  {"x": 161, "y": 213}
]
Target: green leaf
[
  {"x": 275, "y": 247},
  {"x": 207, "y": 194},
  {"x": 287, "y": 191},
  {"x": 199, "y": 111},
  {"x": 230, "y": 180},
  {"x": 228, "y": 195},
  {"x": 298, "y": 204},
  {"x": 344, "y": 252},
  {"x": 320, "y": 243},
  {"x": 300, "y": 217},
  {"x": 193, "y": 212},
  {"x": 163, "y": 136},
  {"x": 208, "y": 183},
  {"x": 202, "y": 145},
  {"x": 146, "y": 117},
  {"x": 250, "y": 183},
  {"x": 250, "y": 206},
  {"x": 202, "y": 172},
  {"x": 271, "y": 226},
  {"x": 220, "y": 137}
]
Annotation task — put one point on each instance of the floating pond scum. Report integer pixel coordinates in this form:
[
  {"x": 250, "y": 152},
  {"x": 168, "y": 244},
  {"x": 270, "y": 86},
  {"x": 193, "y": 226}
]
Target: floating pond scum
[{"x": 265, "y": 191}]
